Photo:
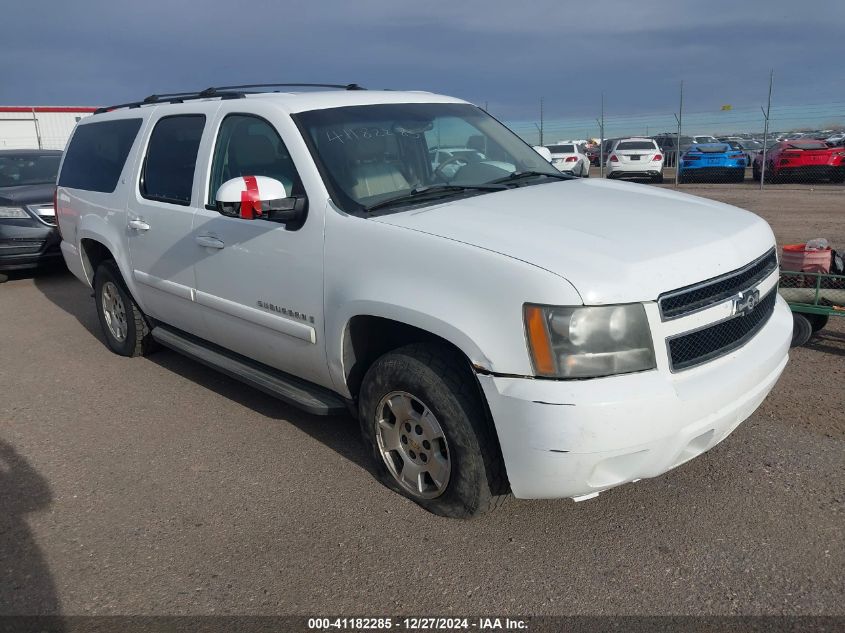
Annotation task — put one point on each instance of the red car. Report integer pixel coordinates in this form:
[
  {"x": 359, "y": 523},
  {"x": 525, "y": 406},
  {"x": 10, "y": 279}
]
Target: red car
[{"x": 802, "y": 159}]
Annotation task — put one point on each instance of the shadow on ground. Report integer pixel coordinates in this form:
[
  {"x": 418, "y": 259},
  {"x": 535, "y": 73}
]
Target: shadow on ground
[
  {"x": 26, "y": 585},
  {"x": 340, "y": 433}
]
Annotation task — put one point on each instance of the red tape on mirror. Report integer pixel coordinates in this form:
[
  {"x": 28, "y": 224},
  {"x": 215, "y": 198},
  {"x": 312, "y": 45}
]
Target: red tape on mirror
[{"x": 250, "y": 199}]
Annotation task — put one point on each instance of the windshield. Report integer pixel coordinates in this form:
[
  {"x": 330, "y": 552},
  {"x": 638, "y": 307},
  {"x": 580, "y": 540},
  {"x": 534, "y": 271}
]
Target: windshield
[
  {"x": 369, "y": 154},
  {"x": 28, "y": 169},
  {"x": 561, "y": 149}
]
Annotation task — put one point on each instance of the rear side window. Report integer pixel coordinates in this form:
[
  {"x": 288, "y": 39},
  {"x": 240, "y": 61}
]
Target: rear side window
[
  {"x": 168, "y": 173},
  {"x": 97, "y": 153}
]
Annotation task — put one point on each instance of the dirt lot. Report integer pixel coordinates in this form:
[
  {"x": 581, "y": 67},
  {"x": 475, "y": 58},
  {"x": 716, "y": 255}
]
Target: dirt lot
[{"x": 160, "y": 486}]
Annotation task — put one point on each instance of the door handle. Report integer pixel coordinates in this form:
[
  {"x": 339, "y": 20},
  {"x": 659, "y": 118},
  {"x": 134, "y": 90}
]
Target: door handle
[
  {"x": 210, "y": 242},
  {"x": 139, "y": 225}
]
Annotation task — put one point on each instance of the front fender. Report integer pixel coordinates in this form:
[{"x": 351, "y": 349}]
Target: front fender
[{"x": 464, "y": 294}]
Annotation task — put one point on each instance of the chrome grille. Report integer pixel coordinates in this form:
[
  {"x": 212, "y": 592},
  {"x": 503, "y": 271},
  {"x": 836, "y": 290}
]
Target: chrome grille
[
  {"x": 700, "y": 296},
  {"x": 700, "y": 346}
]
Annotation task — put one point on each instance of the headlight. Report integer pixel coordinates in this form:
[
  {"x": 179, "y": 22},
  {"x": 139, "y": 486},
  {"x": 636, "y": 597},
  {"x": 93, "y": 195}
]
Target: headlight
[
  {"x": 587, "y": 342},
  {"x": 9, "y": 213}
]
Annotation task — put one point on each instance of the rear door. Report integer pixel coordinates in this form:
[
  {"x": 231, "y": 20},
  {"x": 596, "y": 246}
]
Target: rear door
[{"x": 160, "y": 215}]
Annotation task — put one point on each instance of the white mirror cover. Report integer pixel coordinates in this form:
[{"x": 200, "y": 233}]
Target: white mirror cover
[
  {"x": 249, "y": 191},
  {"x": 545, "y": 152}
]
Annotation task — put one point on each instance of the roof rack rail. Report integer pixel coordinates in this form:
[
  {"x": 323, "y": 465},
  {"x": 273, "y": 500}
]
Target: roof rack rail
[
  {"x": 173, "y": 97},
  {"x": 341, "y": 86},
  {"x": 222, "y": 92}
]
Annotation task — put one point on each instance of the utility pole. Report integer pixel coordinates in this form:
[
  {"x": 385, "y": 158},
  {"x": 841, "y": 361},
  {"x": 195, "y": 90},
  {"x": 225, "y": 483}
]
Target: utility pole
[
  {"x": 541, "y": 120},
  {"x": 601, "y": 140},
  {"x": 680, "y": 119},
  {"x": 766, "y": 130}
]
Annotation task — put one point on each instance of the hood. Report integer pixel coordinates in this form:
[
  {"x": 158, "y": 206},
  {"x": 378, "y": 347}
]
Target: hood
[
  {"x": 614, "y": 242},
  {"x": 27, "y": 194}
]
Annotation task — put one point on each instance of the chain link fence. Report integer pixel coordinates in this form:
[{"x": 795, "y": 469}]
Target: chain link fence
[{"x": 770, "y": 146}]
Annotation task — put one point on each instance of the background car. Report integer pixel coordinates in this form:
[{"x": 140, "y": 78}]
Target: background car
[
  {"x": 712, "y": 162},
  {"x": 836, "y": 140},
  {"x": 749, "y": 147},
  {"x": 28, "y": 233},
  {"x": 570, "y": 158},
  {"x": 637, "y": 158},
  {"x": 606, "y": 146},
  {"x": 804, "y": 159},
  {"x": 449, "y": 160},
  {"x": 668, "y": 145},
  {"x": 704, "y": 138}
]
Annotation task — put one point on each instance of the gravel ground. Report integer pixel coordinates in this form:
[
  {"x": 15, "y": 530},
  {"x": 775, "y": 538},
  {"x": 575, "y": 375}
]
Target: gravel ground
[{"x": 158, "y": 486}]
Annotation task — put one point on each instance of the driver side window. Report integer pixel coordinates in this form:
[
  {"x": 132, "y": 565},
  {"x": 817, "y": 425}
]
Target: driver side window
[{"x": 249, "y": 146}]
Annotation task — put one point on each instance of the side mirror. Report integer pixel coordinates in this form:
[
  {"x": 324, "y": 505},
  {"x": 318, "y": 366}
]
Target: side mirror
[
  {"x": 545, "y": 152},
  {"x": 261, "y": 198}
]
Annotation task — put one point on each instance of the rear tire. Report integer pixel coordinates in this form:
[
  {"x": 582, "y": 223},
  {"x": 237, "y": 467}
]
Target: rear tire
[
  {"x": 802, "y": 329},
  {"x": 658, "y": 179},
  {"x": 423, "y": 417},
  {"x": 123, "y": 324}
]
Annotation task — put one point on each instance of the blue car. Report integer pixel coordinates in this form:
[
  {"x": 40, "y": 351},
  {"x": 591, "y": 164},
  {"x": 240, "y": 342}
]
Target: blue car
[{"x": 712, "y": 162}]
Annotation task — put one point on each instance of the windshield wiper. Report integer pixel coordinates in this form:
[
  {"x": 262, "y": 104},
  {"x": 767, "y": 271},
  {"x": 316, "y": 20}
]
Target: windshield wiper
[
  {"x": 519, "y": 175},
  {"x": 438, "y": 191}
]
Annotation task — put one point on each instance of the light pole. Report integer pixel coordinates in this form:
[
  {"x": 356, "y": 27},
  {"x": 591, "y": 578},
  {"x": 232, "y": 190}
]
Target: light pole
[{"x": 766, "y": 131}]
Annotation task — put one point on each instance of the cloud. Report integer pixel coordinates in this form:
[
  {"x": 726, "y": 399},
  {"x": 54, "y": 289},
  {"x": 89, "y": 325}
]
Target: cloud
[{"x": 506, "y": 53}]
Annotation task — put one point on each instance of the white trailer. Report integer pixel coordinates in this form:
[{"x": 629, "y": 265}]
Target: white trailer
[{"x": 38, "y": 127}]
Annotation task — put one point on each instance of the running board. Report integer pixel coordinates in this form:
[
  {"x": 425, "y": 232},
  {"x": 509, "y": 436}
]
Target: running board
[{"x": 304, "y": 395}]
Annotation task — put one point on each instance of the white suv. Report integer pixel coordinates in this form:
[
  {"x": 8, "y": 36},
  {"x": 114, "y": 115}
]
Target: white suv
[
  {"x": 636, "y": 158},
  {"x": 502, "y": 327}
]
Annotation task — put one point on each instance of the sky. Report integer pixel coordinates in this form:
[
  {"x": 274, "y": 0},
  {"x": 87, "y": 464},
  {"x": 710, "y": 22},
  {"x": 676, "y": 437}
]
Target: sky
[{"x": 504, "y": 54}]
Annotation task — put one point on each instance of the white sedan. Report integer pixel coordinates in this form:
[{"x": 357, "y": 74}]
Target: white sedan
[{"x": 570, "y": 158}]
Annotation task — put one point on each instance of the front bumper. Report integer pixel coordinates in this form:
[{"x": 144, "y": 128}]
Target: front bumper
[
  {"x": 27, "y": 245},
  {"x": 579, "y": 437}
]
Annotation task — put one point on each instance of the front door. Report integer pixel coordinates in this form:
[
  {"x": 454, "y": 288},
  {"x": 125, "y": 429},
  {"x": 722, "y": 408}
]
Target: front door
[{"x": 260, "y": 285}]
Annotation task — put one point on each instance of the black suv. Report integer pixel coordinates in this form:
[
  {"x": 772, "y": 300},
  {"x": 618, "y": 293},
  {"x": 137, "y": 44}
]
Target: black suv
[{"x": 28, "y": 233}]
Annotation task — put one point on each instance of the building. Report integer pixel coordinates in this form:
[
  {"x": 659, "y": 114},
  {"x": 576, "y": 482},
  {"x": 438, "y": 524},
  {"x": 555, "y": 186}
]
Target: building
[{"x": 38, "y": 127}]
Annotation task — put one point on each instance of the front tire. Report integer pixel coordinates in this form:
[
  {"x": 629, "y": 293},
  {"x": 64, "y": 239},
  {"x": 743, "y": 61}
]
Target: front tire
[
  {"x": 123, "y": 324},
  {"x": 423, "y": 417}
]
